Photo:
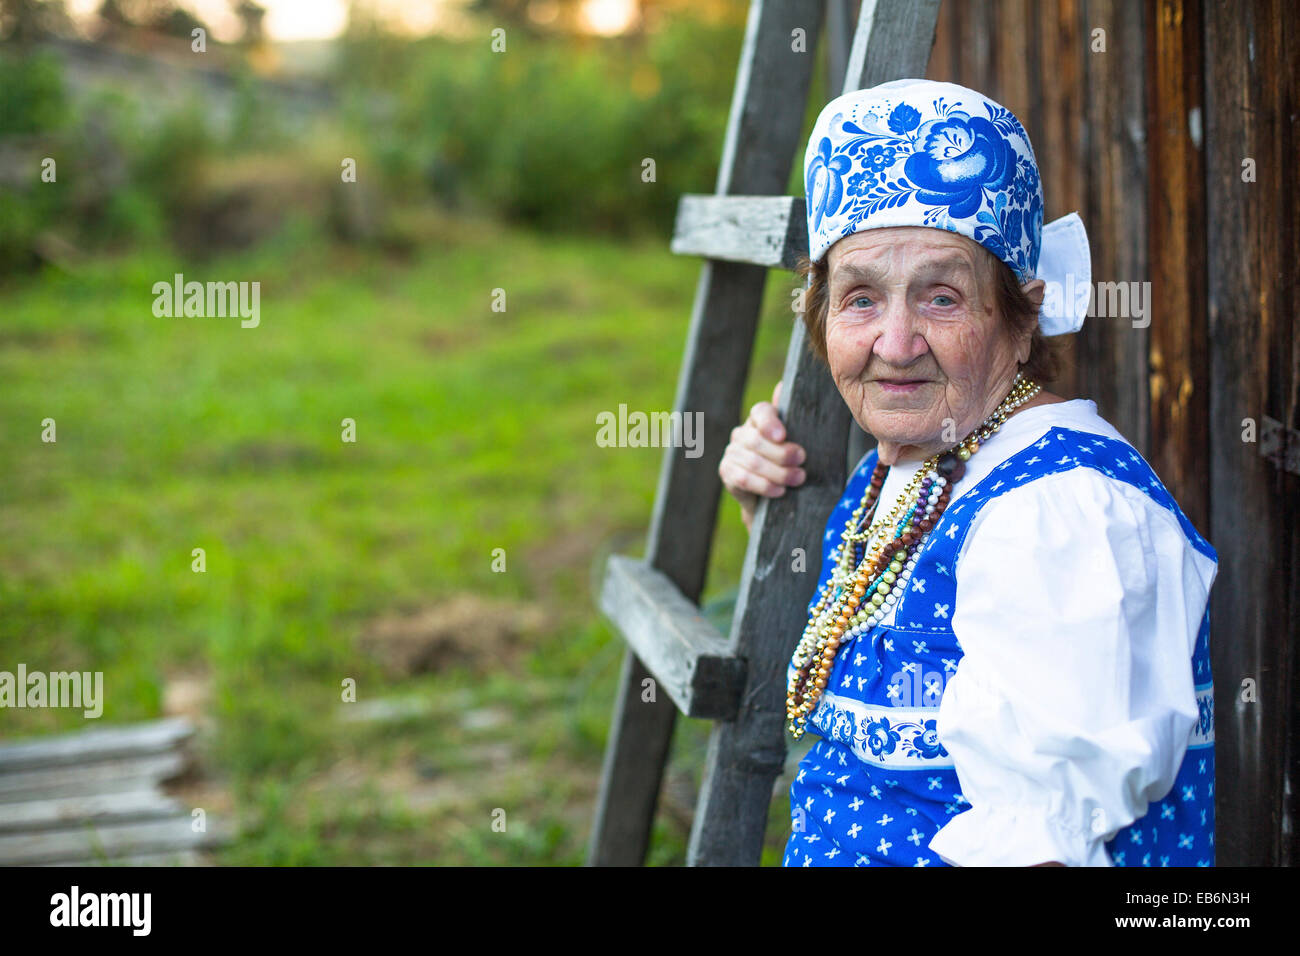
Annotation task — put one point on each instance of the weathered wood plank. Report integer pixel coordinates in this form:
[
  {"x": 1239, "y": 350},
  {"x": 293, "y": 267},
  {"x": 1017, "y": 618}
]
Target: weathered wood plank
[
  {"x": 945, "y": 55},
  {"x": 56, "y": 812},
  {"x": 689, "y": 659},
  {"x": 1057, "y": 127},
  {"x": 1112, "y": 349},
  {"x": 639, "y": 741},
  {"x": 976, "y": 20},
  {"x": 1179, "y": 359},
  {"x": 1057, "y": 91},
  {"x": 1252, "y": 88},
  {"x": 892, "y": 42},
  {"x": 111, "y": 776},
  {"x": 840, "y": 17},
  {"x": 763, "y": 131},
  {"x": 770, "y": 231},
  {"x": 89, "y": 842},
  {"x": 1011, "y": 35},
  {"x": 102, "y": 743}
]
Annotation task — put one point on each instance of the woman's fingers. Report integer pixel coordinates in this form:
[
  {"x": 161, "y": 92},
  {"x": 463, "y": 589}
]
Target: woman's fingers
[
  {"x": 764, "y": 418},
  {"x": 761, "y": 466},
  {"x": 745, "y": 485},
  {"x": 785, "y": 453},
  {"x": 737, "y": 481},
  {"x": 765, "y": 477},
  {"x": 759, "y": 461}
]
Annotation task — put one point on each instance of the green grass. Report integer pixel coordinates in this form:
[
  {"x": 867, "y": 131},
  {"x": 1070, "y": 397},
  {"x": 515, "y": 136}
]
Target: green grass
[{"x": 475, "y": 431}]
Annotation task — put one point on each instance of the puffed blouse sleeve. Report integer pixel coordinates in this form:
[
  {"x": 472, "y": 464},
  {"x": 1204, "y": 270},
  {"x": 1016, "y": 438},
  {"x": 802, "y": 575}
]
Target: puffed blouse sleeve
[{"x": 1078, "y": 605}]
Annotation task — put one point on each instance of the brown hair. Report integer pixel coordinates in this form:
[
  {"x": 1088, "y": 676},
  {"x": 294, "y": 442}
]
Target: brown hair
[{"x": 1016, "y": 309}]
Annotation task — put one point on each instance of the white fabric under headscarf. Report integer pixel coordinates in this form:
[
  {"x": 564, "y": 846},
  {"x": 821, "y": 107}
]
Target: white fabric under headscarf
[{"x": 920, "y": 153}]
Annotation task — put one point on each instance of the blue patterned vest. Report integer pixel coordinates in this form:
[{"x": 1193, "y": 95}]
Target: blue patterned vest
[{"x": 879, "y": 784}]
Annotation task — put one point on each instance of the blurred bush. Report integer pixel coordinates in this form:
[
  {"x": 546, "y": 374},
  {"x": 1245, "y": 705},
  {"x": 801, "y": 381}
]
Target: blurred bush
[
  {"x": 32, "y": 98},
  {"x": 554, "y": 134},
  {"x": 550, "y": 133},
  {"x": 34, "y": 111}
]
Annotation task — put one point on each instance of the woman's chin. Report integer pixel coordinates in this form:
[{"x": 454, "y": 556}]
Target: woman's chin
[{"x": 901, "y": 429}]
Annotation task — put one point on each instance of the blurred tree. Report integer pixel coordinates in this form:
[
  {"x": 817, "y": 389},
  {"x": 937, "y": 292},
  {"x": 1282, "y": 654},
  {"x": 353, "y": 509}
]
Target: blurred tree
[
  {"x": 178, "y": 22},
  {"x": 581, "y": 17},
  {"x": 25, "y": 21},
  {"x": 251, "y": 14},
  {"x": 507, "y": 12},
  {"x": 370, "y": 55},
  {"x": 161, "y": 16}
]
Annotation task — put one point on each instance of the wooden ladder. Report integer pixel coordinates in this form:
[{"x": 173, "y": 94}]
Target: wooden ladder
[{"x": 742, "y": 230}]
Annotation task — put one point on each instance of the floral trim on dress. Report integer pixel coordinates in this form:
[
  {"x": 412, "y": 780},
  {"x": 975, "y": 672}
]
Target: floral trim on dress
[{"x": 889, "y": 737}]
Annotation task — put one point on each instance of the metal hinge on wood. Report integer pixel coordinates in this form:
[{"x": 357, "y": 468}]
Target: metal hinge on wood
[{"x": 1280, "y": 445}]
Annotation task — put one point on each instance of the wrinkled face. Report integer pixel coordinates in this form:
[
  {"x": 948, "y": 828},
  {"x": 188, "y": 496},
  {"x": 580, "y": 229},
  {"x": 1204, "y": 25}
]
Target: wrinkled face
[{"x": 915, "y": 343}]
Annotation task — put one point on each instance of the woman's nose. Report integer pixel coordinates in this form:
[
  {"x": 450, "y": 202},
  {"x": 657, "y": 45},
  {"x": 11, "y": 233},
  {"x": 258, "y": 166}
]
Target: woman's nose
[{"x": 900, "y": 341}]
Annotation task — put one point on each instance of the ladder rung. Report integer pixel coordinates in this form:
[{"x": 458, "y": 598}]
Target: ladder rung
[
  {"x": 687, "y": 655},
  {"x": 762, "y": 230}
]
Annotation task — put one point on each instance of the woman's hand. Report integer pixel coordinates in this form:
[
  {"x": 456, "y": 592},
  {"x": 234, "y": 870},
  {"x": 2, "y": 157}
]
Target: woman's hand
[{"x": 758, "y": 460}]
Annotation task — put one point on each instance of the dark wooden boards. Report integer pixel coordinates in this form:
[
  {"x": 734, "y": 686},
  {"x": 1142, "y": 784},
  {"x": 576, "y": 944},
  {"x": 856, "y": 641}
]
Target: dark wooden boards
[
  {"x": 1179, "y": 360},
  {"x": 1252, "y": 96},
  {"x": 1112, "y": 356}
]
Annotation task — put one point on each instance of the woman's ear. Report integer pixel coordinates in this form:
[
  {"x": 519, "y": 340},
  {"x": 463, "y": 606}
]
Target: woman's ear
[{"x": 1034, "y": 291}]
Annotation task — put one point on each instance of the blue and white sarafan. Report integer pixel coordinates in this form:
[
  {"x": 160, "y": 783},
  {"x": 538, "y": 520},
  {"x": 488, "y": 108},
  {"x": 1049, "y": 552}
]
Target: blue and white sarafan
[{"x": 921, "y": 153}]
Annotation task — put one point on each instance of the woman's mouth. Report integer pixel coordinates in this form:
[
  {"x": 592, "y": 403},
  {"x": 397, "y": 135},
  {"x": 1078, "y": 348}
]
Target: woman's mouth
[{"x": 900, "y": 386}]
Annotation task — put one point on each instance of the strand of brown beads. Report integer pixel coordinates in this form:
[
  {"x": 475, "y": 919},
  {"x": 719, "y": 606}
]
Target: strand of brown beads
[{"x": 872, "y": 566}]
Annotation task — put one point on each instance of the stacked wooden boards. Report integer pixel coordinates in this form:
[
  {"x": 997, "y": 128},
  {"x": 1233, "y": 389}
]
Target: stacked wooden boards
[{"x": 96, "y": 797}]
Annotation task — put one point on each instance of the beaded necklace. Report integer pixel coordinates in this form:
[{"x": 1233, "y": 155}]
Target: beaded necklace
[{"x": 873, "y": 565}]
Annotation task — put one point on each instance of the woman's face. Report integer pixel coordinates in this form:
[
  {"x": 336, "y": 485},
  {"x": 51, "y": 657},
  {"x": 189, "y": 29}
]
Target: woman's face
[{"x": 915, "y": 343}]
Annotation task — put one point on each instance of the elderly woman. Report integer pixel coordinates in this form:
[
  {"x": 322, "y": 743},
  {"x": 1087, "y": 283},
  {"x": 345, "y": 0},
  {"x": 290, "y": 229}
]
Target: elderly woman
[{"x": 1007, "y": 653}]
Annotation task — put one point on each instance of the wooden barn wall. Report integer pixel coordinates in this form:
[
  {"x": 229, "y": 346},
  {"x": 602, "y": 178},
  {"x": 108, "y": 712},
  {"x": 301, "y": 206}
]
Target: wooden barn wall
[
  {"x": 1252, "y": 62},
  {"x": 1146, "y": 141}
]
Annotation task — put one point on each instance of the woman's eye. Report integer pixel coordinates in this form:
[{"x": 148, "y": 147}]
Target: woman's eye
[
  {"x": 861, "y": 298},
  {"x": 943, "y": 300}
]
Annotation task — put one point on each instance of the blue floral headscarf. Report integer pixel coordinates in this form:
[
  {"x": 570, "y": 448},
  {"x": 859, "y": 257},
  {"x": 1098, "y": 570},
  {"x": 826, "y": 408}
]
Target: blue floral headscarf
[{"x": 920, "y": 153}]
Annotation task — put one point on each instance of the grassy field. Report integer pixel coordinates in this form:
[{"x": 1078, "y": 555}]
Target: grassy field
[{"x": 475, "y": 430}]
